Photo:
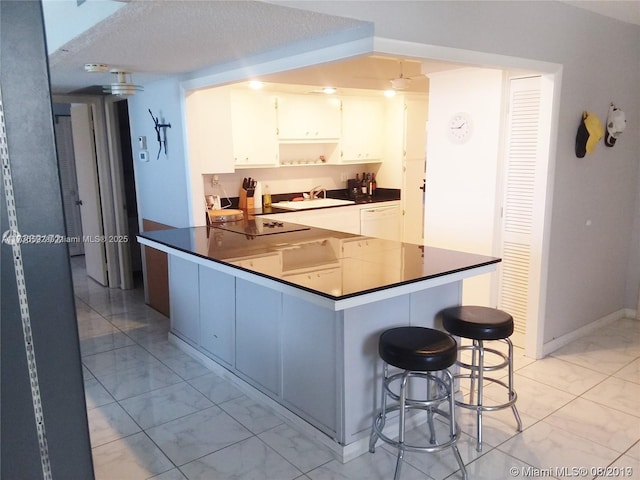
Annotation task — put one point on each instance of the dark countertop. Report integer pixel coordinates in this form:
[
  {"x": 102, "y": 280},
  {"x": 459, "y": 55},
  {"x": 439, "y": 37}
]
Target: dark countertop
[{"x": 335, "y": 265}]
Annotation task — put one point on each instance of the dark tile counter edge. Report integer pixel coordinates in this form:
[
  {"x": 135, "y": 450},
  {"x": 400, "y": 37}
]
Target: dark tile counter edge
[{"x": 316, "y": 292}]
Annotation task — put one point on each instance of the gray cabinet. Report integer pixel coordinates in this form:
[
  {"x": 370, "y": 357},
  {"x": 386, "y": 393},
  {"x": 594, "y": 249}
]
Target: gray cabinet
[
  {"x": 258, "y": 311},
  {"x": 183, "y": 288},
  {"x": 217, "y": 314},
  {"x": 309, "y": 361},
  {"x": 282, "y": 344}
]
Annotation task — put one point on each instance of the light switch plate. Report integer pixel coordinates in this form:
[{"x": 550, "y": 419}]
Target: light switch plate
[{"x": 142, "y": 143}]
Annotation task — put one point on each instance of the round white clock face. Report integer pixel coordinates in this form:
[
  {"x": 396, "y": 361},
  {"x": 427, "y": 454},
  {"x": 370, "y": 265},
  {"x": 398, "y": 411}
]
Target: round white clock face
[{"x": 459, "y": 127}]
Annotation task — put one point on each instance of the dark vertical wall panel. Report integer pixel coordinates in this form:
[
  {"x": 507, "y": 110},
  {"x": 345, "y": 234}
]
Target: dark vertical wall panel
[{"x": 27, "y": 107}]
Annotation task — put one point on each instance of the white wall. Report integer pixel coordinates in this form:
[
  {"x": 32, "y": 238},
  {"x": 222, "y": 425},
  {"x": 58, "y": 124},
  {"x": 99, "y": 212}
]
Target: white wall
[
  {"x": 162, "y": 184},
  {"x": 592, "y": 271},
  {"x": 461, "y": 178}
]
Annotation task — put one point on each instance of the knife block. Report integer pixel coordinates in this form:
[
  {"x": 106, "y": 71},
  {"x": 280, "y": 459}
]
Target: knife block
[{"x": 244, "y": 202}]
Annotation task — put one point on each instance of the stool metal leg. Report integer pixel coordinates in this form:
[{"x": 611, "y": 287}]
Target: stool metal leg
[
  {"x": 511, "y": 390},
  {"x": 472, "y": 373},
  {"x": 383, "y": 412},
  {"x": 453, "y": 427},
  {"x": 403, "y": 399},
  {"x": 432, "y": 430},
  {"x": 480, "y": 393}
]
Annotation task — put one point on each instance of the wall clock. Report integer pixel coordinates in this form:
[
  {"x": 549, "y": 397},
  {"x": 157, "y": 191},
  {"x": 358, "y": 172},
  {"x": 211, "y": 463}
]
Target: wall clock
[{"x": 460, "y": 127}]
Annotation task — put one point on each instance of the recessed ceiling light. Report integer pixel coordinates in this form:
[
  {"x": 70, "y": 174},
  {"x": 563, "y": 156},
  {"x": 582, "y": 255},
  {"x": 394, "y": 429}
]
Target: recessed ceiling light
[
  {"x": 256, "y": 84},
  {"x": 329, "y": 90}
]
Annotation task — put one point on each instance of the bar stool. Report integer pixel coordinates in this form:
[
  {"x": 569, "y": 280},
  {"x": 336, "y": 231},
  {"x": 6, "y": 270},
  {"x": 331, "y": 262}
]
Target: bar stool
[
  {"x": 421, "y": 353},
  {"x": 480, "y": 324}
]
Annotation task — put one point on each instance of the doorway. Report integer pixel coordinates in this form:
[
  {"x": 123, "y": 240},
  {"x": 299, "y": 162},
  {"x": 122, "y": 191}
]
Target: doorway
[
  {"x": 68, "y": 177},
  {"x": 96, "y": 165}
]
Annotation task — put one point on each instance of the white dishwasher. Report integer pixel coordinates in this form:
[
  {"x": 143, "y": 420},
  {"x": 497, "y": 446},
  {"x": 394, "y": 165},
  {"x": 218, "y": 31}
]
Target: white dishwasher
[{"x": 381, "y": 222}]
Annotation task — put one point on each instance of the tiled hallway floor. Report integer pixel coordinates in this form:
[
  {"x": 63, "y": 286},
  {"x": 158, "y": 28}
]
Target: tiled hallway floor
[{"x": 154, "y": 412}]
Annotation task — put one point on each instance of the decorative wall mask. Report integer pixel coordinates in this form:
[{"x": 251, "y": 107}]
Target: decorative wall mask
[
  {"x": 616, "y": 123},
  {"x": 590, "y": 131}
]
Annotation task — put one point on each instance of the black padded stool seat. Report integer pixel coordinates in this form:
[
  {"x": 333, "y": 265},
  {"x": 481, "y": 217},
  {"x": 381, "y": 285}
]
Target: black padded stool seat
[
  {"x": 480, "y": 323},
  {"x": 419, "y": 349}
]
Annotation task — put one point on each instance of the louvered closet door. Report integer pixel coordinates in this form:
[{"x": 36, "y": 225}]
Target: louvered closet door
[{"x": 519, "y": 208}]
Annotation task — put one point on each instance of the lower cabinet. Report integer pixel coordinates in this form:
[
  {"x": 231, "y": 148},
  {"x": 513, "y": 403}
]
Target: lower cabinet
[
  {"x": 309, "y": 361},
  {"x": 258, "y": 312},
  {"x": 282, "y": 345},
  {"x": 327, "y": 280},
  {"x": 183, "y": 291},
  {"x": 340, "y": 219},
  {"x": 217, "y": 314}
]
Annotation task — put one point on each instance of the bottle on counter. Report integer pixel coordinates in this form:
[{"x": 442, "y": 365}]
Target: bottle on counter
[
  {"x": 363, "y": 185},
  {"x": 369, "y": 184},
  {"x": 266, "y": 198},
  {"x": 374, "y": 184}
]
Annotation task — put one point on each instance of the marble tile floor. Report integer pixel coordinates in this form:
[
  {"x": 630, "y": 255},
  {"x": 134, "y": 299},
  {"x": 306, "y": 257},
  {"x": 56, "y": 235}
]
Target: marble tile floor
[{"x": 156, "y": 413}]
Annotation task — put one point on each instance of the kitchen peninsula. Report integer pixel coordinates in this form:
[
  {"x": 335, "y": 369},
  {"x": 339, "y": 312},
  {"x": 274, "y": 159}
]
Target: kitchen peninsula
[{"x": 296, "y": 311}]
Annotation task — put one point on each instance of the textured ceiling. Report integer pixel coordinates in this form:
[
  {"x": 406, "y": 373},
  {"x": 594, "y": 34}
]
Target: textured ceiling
[{"x": 154, "y": 38}]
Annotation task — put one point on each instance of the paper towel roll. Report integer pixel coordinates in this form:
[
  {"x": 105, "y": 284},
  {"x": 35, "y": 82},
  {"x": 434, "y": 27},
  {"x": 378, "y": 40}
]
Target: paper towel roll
[{"x": 257, "y": 196}]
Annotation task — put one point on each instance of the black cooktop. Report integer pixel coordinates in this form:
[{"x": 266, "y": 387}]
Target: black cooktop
[{"x": 257, "y": 227}]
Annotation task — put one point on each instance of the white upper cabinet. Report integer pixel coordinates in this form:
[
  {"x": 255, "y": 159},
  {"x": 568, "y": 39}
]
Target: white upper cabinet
[
  {"x": 362, "y": 129},
  {"x": 230, "y": 128},
  {"x": 209, "y": 131},
  {"x": 253, "y": 128},
  {"x": 308, "y": 118}
]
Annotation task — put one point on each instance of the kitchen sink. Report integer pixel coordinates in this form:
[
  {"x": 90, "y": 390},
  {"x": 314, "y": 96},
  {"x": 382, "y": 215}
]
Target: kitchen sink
[{"x": 315, "y": 203}]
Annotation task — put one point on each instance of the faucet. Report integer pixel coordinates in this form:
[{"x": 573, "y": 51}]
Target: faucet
[{"x": 315, "y": 191}]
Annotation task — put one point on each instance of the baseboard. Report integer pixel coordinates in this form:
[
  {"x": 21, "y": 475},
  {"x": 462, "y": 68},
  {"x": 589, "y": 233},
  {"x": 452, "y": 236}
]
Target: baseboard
[{"x": 559, "y": 342}]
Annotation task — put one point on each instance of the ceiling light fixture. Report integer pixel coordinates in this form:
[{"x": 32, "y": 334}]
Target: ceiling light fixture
[
  {"x": 389, "y": 93},
  {"x": 329, "y": 90},
  {"x": 256, "y": 85},
  {"x": 400, "y": 83},
  {"x": 123, "y": 85}
]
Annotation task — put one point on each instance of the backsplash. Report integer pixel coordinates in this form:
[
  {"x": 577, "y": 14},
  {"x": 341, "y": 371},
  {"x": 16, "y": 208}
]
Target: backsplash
[{"x": 291, "y": 179}]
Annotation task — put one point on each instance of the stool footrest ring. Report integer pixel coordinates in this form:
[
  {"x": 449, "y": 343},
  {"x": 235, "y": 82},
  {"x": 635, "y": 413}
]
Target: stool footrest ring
[
  {"x": 415, "y": 448},
  {"x": 438, "y": 383},
  {"x": 486, "y": 368},
  {"x": 488, "y": 408}
]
